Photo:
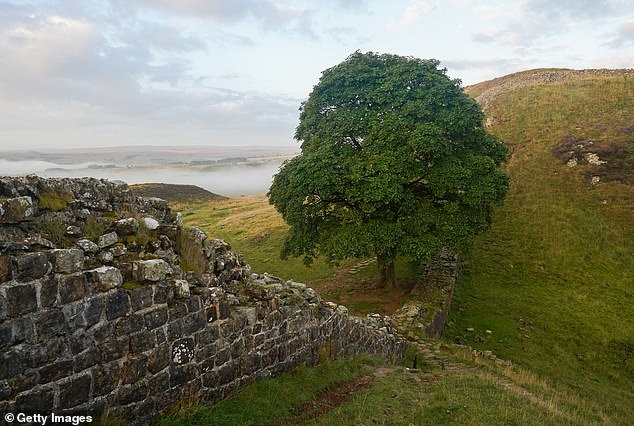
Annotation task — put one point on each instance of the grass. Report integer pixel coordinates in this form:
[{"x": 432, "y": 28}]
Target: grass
[
  {"x": 272, "y": 400},
  {"x": 54, "y": 200},
  {"x": 553, "y": 279},
  {"x": 53, "y": 228},
  {"x": 94, "y": 228},
  {"x": 364, "y": 390}
]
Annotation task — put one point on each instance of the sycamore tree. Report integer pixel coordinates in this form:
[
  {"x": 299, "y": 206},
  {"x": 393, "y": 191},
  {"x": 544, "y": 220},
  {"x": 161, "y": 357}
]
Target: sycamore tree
[{"x": 394, "y": 160}]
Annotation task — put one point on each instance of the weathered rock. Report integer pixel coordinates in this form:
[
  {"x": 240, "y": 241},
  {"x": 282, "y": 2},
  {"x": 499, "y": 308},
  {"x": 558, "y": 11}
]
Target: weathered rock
[
  {"x": 181, "y": 289},
  {"x": 128, "y": 226},
  {"x": 78, "y": 341},
  {"x": 107, "y": 240},
  {"x": 66, "y": 261},
  {"x": 593, "y": 159},
  {"x": 151, "y": 270},
  {"x": 73, "y": 230},
  {"x": 14, "y": 210},
  {"x": 87, "y": 246},
  {"x": 105, "y": 278},
  {"x": 32, "y": 265},
  {"x": 71, "y": 287},
  {"x": 106, "y": 256},
  {"x": 120, "y": 189},
  {"x": 118, "y": 250},
  {"x": 21, "y": 299},
  {"x": 196, "y": 234},
  {"x": 6, "y": 269},
  {"x": 38, "y": 240},
  {"x": 151, "y": 223}
]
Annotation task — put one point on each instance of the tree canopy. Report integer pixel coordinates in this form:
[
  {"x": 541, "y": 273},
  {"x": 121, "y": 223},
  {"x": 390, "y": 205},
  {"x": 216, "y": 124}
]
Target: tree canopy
[{"x": 394, "y": 160}]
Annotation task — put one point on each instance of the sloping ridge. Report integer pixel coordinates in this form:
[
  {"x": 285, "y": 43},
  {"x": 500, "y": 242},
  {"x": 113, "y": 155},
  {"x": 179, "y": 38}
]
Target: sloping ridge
[
  {"x": 486, "y": 91},
  {"x": 172, "y": 192}
]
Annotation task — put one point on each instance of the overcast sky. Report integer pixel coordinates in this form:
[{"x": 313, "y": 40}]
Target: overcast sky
[{"x": 78, "y": 73}]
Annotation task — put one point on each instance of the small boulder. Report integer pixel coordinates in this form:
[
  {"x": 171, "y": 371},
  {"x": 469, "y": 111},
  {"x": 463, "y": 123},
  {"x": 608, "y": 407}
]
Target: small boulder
[
  {"x": 128, "y": 226},
  {"x": 107, "y": 240},
  {"x": 105, "y": 278},
  {"x": 73, "y": 230},
  {"x": 106, "y": 256},
  {"x": 6, "y": 270},
  {"x": 87, "y": 246},
  {"x": 151, "y": 270},
  {"x": 32, "y": 265},
  {"x": 151, "y": 224},
  {"x": 118, "y": 250},
  {"x": 181, "y": 288},
  {"x": 15, "y": 210},
  {"x": 66, "y": 261},
  {"x": 38, "y": 240}
]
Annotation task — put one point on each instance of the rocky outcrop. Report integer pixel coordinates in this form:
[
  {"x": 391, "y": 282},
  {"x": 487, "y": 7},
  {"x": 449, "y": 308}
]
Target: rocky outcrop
[{"x": 109, "y": 304}]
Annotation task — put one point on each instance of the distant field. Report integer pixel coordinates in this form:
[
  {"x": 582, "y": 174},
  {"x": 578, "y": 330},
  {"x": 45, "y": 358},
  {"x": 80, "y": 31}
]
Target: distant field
[{"x": 173, "y": 192}]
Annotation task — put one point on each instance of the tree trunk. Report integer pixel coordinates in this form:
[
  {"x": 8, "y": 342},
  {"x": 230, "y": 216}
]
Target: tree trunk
[{"x": 387, "y": 271}]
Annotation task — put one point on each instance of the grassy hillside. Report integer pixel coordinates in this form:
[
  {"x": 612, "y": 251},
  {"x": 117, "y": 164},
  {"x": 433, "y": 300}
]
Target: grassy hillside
[
  {"x": 550, "y": 286},
  {"x": 554, "y": 278}
]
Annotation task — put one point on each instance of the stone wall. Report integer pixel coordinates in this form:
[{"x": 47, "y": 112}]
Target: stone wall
[
  {"x": 425, "y": 314},
  {"x": 546, "y": 76},
  {"x": 108, "y": 304}
]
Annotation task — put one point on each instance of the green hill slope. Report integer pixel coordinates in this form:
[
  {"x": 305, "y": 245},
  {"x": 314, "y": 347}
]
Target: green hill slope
[{"x": 553, "y": 280}]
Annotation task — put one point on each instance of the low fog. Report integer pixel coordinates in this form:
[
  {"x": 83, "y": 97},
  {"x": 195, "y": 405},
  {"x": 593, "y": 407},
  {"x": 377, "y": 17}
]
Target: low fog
[{"x": 231, "y": 181}]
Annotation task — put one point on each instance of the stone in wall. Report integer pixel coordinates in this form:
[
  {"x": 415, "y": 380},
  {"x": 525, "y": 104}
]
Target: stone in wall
[{"x": 15, "y": 210}]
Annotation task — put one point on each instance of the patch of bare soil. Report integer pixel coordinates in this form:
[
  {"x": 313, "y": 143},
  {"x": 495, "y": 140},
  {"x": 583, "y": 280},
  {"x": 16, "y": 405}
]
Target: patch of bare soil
[
  {"x": 333, "y": 398},
  {"x": 347, "y": 288},
  {"x": 328, "y": 401}
]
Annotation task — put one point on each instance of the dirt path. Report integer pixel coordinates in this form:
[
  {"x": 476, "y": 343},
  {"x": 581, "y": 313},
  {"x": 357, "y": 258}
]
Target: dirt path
[{"x": 333, "y": 397}]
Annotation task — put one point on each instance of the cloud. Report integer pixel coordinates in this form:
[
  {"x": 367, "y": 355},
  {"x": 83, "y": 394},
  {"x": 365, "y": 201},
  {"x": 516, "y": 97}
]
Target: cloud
[
  {"x": 538, "y": 19},
  {"x": 221, "y": 10},
  {"x": 163, "y": 36},
  {"x": 270, "y": 16},
  {"x": 414, "y": 12},
  {"x": 576, "y": 9},
  {"x": 484, "y": 68},
  {"x": 46, "y": 47},
  {"x": 624, "y": 35},
  {"x": 354, "y": 5}
]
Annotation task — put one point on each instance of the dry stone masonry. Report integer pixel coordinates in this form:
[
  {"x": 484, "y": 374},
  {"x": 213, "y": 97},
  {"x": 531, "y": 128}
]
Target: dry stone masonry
[
  {"x": 546, "y": 76},
  {"x": 426, "y": 312},
  {"x": 108, "y": 304}
]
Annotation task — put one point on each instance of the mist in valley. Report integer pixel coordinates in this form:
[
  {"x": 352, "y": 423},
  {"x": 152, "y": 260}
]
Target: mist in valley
[{"x": 229, "y": 180}]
